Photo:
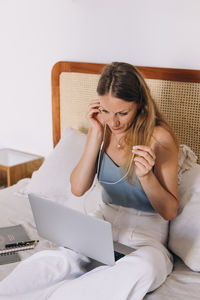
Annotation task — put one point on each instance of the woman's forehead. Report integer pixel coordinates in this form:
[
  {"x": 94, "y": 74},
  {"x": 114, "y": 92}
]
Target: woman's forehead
[{"x": 114, "y": 104}]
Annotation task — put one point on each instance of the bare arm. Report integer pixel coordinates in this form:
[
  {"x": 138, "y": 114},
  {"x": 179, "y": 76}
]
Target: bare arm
[
  {"x": 83, "y": 174},
  {"x": 160, "y": 186}
]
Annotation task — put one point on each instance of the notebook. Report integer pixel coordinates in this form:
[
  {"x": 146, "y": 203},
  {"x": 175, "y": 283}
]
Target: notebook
[
  {"x": 72, "y": 229},
  {"x": 9, "y": 238}
]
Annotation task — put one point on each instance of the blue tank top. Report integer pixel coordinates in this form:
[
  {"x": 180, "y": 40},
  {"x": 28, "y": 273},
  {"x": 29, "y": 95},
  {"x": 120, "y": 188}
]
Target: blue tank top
[{"x": 122, "y": 193}]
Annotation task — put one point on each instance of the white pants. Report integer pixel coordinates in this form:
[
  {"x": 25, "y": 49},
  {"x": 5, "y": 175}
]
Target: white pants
[{"x": 130, "y": 278}]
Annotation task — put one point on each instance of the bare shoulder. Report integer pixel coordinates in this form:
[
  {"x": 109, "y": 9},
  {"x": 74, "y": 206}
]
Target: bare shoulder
[{"x": 163, "y": 141}]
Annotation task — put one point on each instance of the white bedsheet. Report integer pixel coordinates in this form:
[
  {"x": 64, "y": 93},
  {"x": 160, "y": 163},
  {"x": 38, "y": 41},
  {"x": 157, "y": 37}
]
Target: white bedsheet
[
  {"x": 182, "y": 284},
  {"x": 15, "y": 209}
]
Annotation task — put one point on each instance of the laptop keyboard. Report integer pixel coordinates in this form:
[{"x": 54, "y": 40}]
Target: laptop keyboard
[{"x": 118, "y": 255}]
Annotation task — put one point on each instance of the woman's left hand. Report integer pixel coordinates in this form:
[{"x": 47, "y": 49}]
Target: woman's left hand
[{"x": 144, "y": 158}]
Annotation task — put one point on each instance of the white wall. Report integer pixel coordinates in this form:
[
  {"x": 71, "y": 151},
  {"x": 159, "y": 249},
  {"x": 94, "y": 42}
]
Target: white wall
[{"x": 34, "y": 34}]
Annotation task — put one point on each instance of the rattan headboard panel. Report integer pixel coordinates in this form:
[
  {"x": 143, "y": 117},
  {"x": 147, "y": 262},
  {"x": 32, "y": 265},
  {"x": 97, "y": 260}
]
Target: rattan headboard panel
[
  {"x": 179, "y": 101},
  {"x": 77, "y": 90}
]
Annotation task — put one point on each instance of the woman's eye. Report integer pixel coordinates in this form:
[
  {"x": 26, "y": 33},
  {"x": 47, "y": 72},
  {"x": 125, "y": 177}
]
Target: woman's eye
[
  {"x": 123, "y": 114},
  {"x": 105, "y": 111}
]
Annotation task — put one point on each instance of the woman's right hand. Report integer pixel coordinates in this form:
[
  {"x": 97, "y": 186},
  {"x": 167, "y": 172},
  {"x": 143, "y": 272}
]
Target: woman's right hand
[{"x": 94, "y": 115}]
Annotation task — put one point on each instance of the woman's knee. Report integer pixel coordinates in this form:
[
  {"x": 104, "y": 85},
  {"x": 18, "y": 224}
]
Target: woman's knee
[{"x": 155, "y": 265}]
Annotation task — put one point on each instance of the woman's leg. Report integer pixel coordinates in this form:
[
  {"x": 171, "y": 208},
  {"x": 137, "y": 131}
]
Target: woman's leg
[
  {"x": 129, "y": 279},
  {"x": 43, "y": 270}
]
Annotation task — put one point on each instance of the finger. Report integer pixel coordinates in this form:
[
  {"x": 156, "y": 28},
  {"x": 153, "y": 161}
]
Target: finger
[
  {"x": 143, "y": 162},
  {"x": 91, "y": 107},
  {"x": 145, "y": 155},
  {"x": 140, "y": 167},
  {"x": 93, "y": 111},
  {"x": 93, "y": 103},
  {"x": 144, "y": 149},
  {"x": 94, "y": 106}
]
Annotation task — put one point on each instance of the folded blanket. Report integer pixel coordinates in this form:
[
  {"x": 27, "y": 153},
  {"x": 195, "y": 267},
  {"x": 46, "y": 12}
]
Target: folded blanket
[{"x": 187, "y": 159}]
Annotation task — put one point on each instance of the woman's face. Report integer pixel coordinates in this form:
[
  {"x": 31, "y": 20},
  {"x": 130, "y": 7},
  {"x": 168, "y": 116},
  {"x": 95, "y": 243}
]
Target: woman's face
[{"x": 117, "y": 113}]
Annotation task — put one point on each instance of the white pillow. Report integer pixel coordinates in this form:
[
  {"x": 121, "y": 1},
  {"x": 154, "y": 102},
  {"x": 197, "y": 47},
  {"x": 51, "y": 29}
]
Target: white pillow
[
  {"x": 184, "y": 233},
  {"x": 52, "y": 180}
]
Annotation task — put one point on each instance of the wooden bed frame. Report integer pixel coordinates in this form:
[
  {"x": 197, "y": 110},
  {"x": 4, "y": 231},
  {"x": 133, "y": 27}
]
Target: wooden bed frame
[{"x": 176, "y": 91}]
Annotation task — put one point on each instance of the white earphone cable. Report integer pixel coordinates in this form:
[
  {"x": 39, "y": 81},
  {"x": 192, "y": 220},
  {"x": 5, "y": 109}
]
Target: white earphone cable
[
  {"x": 97, "y": 173},
  {"x": 98, "y": 163}
]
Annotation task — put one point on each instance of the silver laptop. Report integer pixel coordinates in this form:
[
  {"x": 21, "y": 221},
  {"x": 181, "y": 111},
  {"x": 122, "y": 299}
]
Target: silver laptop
[{"x": 72, "y": 229}]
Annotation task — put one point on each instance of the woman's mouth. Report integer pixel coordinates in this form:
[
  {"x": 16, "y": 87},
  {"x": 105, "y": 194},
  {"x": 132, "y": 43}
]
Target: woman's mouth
[{"x": 115, "y": 129}]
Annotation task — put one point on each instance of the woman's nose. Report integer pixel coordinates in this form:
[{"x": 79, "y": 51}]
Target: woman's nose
[{"x": 114, "y": 121}]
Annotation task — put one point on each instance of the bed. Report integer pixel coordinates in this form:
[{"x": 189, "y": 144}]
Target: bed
[{"x": 177, "y": 92}]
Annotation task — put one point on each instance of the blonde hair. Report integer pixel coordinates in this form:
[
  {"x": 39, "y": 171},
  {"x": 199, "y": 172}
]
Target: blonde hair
[{"x": 124, "y": 81}]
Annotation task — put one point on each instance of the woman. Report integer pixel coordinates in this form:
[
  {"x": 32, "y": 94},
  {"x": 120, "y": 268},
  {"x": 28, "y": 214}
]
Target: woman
[{"x": 135, "y": 155}]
